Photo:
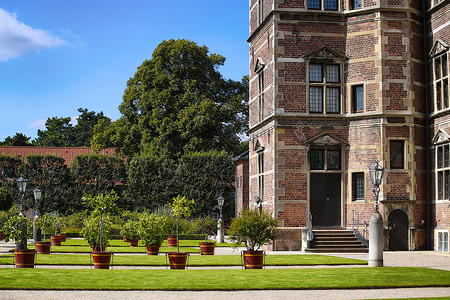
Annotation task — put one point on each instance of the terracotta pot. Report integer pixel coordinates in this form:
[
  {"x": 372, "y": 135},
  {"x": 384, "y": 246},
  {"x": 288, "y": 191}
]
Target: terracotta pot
[
  {"x": 134, "y": 243},
  {"x": 102, "y": 260},
  {"x": 43, "y": 247},
  {"x": 152, "y": 249},
  {"x": 253, "y": 259},
  {"x": 24, "y": 258},
  {"x": 63, "y": 236},
  {"x": 207, "y": 248},
  {"x": 172, "y": 241},
  {"x": 98, "y": 248},
  {"x": 56, "y": 240},
  {"x": 177, "y": 260}
]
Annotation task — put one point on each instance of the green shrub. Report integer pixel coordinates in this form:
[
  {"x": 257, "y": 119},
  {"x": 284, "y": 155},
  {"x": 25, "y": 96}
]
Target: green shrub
[{"x": 253, "y": 229}]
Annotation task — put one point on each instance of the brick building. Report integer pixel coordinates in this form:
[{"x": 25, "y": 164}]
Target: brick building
[{"x": 336, "y": 85}]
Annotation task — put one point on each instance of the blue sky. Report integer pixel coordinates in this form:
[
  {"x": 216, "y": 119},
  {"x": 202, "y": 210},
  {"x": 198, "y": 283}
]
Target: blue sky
[{"x": 59, "y": 55}]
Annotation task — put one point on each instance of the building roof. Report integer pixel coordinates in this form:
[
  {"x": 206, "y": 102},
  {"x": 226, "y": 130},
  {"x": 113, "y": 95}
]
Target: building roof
[
  {"x": 243, "y": 155},
  {"x": 68, "y": 153}
]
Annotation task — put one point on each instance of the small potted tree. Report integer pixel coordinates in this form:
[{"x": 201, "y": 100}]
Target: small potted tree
[
  {"x": 181, "y": 208},
  {"x": 130, "y": 232},
  {"x": 45, "y": 223},
  {"x": 56, "y": 239},
  {"x": 253, "y": 229},
  {"x": 98, "y": 226},
  {"x": 16, "y": 228},
  {"x": 207, "y": 227},
  {"x": 152, "y": 229}
]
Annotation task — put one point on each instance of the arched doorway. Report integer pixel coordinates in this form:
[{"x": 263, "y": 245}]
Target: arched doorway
[{"x": 398, "y": 234}]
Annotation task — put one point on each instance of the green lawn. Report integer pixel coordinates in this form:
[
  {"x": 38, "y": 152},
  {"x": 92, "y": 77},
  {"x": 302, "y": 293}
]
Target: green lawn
[
  {"x": 221, "y": 279},
  {"x": 121, "y": 243},
  {"x": 116, "y": 249},
  {"x": 197, "y": 260}
]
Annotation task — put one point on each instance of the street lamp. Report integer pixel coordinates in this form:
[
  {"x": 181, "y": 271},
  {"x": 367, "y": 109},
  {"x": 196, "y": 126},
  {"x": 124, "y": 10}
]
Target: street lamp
[
  {"x": 220, "y": 202},
  {"x": 22, "y": 184},
  {"x": 376, "y": 221},
  {"x": 376, "y": 175},
  {"x": 37, "y": 197}
]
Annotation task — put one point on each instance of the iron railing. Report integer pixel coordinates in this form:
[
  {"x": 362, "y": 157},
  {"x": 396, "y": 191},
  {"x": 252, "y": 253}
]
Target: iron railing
[{"x": 359, "y": 225}]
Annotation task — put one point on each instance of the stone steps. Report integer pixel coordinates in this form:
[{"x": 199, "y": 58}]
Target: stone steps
[{"x": 335, "y": 240}]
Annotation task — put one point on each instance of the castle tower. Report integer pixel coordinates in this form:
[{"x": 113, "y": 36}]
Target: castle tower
[{"x": 334, "y": 86}]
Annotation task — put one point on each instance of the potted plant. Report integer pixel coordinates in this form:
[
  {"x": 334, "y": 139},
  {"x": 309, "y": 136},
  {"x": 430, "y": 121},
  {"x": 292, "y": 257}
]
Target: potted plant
[
  {"x": 56, "y": 239},
  {"x": 45, "y": 223},
  {"x": 152, "y": 230},
  {"x": 181, "y": 208},
  {"x": 16, "y": 228},
  {"x": 253, "y": 229},
  {"x": 207, "y": 227},
  {"x": 130, "y": 233},
  {"x": 97, "y": 227}
]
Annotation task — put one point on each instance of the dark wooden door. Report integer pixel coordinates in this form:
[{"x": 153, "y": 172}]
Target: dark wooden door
[{"x": 325, "y": 199}]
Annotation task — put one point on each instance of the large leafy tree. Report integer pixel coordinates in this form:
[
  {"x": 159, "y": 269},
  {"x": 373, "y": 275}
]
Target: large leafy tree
[
  {"x": 19, "y": 139},
  {"x": 60, "y": 132},
  {"x": 178, "y": 102}
]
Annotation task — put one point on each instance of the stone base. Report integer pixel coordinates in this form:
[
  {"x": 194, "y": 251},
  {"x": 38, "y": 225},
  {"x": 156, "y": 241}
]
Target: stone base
[{"x": 288, "y": 239}]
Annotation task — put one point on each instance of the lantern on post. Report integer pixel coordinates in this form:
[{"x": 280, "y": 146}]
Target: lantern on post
[{"x": 376, "y": 176}]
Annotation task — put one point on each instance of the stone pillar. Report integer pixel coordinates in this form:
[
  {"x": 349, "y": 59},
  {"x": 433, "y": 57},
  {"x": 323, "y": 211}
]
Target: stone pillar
[{"x": 376, "y": 240}]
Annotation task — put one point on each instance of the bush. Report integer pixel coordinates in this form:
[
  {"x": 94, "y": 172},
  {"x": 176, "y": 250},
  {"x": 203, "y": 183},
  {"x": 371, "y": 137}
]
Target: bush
[{"x": 252, "y": 229}]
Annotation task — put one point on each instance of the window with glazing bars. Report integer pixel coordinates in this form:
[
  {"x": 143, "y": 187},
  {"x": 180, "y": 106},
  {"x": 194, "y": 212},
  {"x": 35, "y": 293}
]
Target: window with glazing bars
[
  {"x": 261, "y": 175},
  {"x": 358, "y": 98},
  {"x": 443, "y": 172},
  {"x": 441, "y": 82},
  {"x": 261, "y": 95},
  {"x": 358, "y": 186},
  {"x": 324, "y": 88}
]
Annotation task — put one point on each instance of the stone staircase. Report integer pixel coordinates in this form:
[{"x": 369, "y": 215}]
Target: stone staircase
[{"x": 335, "y": 240}]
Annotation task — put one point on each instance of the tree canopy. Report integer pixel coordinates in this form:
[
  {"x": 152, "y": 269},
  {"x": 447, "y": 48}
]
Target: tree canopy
[
  {"x": 60, "y": 132},
  {"x": 178, "y": 102},
  {"x": 19, "y": 139}
]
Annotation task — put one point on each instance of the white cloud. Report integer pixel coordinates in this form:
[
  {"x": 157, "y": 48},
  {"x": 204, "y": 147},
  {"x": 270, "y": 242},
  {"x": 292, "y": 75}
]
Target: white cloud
[
  {"x": 39, "y": 124},
  {"x": 18, "y": 39}
]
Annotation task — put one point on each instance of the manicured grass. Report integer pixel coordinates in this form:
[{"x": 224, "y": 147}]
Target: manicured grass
[
  {"x": 222, "y": 279},
  {"x": 115, "y": 249},
  {"x": 121, "y": 243},
  {"x": 194, "y": 260}
]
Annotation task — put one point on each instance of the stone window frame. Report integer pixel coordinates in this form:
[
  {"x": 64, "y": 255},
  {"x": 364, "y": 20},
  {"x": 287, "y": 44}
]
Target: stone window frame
[
  {"x": 442, "y": 171},
  {"x": 440, "y": 69},
  {"x": 259, "y": 70},
  {"x": 353, "y": 6},
  {"x": 260, "y": 154},
  {"x": 442, "y": 242},
  {"x": 322, "y": 5},
  {"x": 324, "y": 151},
  {"x": 325, "y": 86},
  {"x": 355, "y": 186},
  {"x": 441, "y": 140},
  {"x": 403, "y": 155},
  {"x": 353, "y": 98},
  {"x": 259, "y": 149},
  {"x": 260, "y": 11}
]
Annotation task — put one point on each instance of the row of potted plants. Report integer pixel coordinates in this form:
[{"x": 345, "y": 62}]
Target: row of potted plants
[{"x": 252, "y": 228}]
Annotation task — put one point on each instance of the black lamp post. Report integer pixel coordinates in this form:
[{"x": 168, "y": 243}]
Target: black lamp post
[
  {"x": 22, "y": 184},
  {"x": 220, "y": 202},
  {"x": 376, "y": 176},
  {"x": 37, "y": 197}
]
